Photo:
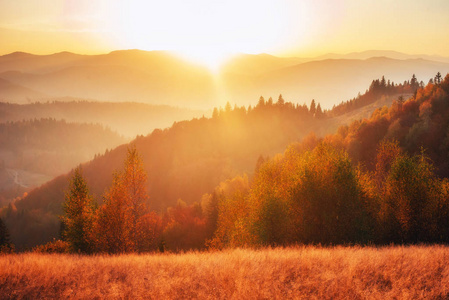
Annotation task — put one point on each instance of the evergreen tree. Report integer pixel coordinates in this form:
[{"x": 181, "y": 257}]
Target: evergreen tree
[
  {"x": 78, "y": 215},
  {"x": 319, "y": 112},
  {"x": 4, "y": 235},
  {"x": 215, "y": 113},
  {"x": 280, "y": 100},
  {"x": 438, "y": 78},
  {"x": 312, "y": 109}
]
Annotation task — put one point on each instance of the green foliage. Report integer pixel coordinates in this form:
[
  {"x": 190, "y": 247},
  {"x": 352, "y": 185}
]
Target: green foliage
[
  {"x": 79, "y": 209},
  {"x": 5, "y": 243}
]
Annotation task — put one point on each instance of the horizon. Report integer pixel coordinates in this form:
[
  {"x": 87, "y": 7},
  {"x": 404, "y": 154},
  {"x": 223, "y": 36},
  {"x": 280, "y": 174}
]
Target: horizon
[
  {"x": 208, "y": 33},
  {"x": 217, "y": 68}
]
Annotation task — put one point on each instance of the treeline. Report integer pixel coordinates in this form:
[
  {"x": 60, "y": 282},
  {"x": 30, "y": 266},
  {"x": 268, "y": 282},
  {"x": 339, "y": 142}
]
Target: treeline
[
  {"x": 303, "y": 196},
  {"x": 320, "y": 196},
  {"x": 377, "y": 89},
  {"x": 318, "y": 192},
  {"x": 269, "y": 107},
  {"x": 193, "y": 157}
]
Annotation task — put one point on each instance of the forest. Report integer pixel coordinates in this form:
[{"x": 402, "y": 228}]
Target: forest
[{"x": 380, "y": 180}]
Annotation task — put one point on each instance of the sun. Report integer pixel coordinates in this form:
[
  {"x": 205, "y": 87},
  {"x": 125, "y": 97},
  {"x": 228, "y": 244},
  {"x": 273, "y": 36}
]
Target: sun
[
  {"x": 212, "y": 59},
  {"x": 204, "y": 31}
]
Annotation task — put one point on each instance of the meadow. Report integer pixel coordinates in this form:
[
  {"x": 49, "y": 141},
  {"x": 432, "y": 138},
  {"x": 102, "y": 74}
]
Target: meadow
[{"x": 302, "y": 272}]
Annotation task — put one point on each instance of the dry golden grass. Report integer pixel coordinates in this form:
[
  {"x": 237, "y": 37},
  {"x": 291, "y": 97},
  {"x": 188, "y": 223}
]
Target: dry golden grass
[{"x": 291, "y": 273}]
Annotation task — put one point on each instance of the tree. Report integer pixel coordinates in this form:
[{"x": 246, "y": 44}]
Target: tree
[
  {"x": 125, "y": 223},
  {"x": 5, "y": 243},
  {"x": 438, "y": 78},
  {"x": 228, "y": 107},
  {"x": 280, "y": 100},
  {"x": 136, "y": 197},
  {"x": 215, "y": 113},
  {"x": 319, "y": 112},
  {"x": 78, "y": 216},
  {"x": 312, "y": 109},
  {"x": 383, "y": 83},
  {"x": 414, "y": 82}
]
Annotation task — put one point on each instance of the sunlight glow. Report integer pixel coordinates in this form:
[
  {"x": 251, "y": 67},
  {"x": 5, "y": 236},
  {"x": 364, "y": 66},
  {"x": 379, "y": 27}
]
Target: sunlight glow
[{"x": 208, "y": 31}]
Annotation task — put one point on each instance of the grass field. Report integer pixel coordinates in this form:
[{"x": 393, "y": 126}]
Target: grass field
[{"x": 292, "y": 273}]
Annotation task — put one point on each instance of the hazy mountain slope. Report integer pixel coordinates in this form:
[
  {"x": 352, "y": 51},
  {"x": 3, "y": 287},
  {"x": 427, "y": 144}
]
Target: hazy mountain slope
[
  {"x": 250, "y": 64},
  {"x": 184, "y": 161},
  {"x": 40, "y": 64},
  {"x": 126, "y": 118},
  {"x": 382, "y": 53},
  {"x": 120, "y": 83},
  {"x": 158, "y": 77},
  {"x": 329, "y": 81},
  {"x": 32, "y": 152},
  {"x": 17, "y": 93}
]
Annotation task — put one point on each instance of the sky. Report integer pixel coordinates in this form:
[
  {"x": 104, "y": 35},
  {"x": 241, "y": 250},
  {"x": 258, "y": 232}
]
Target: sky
[{"x": 209, "y": 30}]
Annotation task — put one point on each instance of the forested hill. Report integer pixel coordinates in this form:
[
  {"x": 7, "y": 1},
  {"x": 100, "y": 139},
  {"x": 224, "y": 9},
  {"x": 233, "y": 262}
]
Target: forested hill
[
  {"x": 419, "y": 124},
  {"x": 182, "y": 162},
  {"x": 192, "y": 157},
  {"x": 34, "y": 151}
]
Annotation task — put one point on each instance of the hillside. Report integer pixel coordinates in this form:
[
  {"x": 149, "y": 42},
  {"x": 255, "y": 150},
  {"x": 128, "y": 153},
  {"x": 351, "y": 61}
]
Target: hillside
[
  {"x": 182, "y": 162},
  {"x": 328, "y": 81},
  {"x": 192, "y": 157},
  {"x": 126, "y": 118},
  {"x": 17, "y": 93},
  {"x": 35, "y": 151},
  {"x": 155, "y": 77}
]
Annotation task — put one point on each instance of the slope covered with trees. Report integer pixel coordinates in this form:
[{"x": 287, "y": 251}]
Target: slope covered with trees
[
  {"x": 369, "y": 164},
  {"x": 36, "y": 150}
]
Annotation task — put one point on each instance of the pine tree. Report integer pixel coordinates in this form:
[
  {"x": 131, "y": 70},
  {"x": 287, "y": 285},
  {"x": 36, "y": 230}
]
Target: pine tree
[
  {"x": 4, "y": 235},
  {"x": 438, "y": 78},
  {"x": 78, "y": 215},
  {"x": 319, "y": 112},
  {"x": 312, "y": 109},
  {"x": 281, "y": 100}
]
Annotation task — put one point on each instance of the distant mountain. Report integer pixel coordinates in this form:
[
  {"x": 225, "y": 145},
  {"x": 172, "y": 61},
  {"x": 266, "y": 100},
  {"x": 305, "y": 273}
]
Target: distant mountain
[
  {"x": 38, "y": 64},
  {"x": 382, "y": 53},
  {"x": 329, "y": 81},
  {"x": 249, "y": 64},
  {"x": 126, "y": 118},
  {"x": 152, "y": 77},
  {"x": 17, "y": 93},
  {"x": 159, "y": 77},
  {"x": 35, "y": 151}
]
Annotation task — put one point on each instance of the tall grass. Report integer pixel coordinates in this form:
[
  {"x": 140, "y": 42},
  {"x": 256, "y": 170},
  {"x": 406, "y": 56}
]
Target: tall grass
[{"x": 301, "y": 272}]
